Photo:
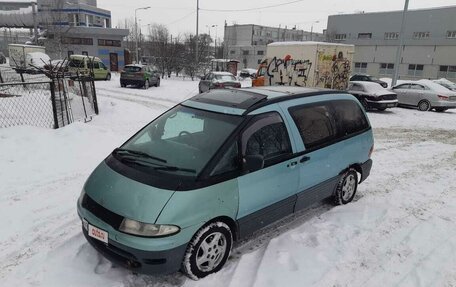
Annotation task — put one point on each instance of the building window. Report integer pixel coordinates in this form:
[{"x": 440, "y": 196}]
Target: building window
[
  {"x": 340, "y": 37},
  {"x": 448, "y": 72},
  {"x": 260, "y": 53},
  {"x": 85, "y": 53},
  {"x": 386, "y": 69},
  {"x": 361, "y": 68},
  {"x": 70, "y": 53},
  {"x": 109, "y": 43},
  {"x": 365, "y": 36},
  {"x": 245, "y": 52},
  {"x": 421, "y": 35},
  {"x": 391, "y": 35},
  {"x": 77, "y": 41},
  {"x": 232, "y": 52},
  {"x": 415, "y": 70},
  {"x": 451, "y": 34}
]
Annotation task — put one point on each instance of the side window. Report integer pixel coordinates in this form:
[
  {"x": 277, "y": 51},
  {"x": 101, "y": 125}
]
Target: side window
[
  {"x": 267, "y": 136},
  {"x": 403, "y": 87},
  {"x": 229, "y": 161},
  {"x": 416, "y": 87},
  {"x": 96, "y": 65},
  {"x": 350, "y": 117},
  {"x": 315, "y": 124}
]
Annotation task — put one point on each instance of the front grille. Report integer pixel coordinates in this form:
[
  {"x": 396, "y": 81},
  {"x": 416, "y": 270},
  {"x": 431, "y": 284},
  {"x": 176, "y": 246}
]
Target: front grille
[
  {"x": 102, "y": 213},
  {"x": 389, "y": 97}
]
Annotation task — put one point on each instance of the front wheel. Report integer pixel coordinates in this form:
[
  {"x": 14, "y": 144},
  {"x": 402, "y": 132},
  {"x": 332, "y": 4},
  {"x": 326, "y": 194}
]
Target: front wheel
[
  {"x": 346, "y": 188},
  {"x": 208, "y": 251},
  {"x": 381, "y": 109},
  {"x": 108, "y": 77}
]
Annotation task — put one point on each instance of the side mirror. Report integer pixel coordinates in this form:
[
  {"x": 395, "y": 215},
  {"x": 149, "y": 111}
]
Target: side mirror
[{"x": 253, "y": 162}]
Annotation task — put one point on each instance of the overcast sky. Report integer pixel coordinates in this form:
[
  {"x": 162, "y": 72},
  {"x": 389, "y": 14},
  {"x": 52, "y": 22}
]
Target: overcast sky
[{"x": 180, "y": 15}]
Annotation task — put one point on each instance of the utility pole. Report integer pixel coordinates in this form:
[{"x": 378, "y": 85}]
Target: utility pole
[
  {"x": 401, "y": 44},
  {"x": 197, "y": 42},
  {"x": 35, "y": 24},
  {"x": 136, "y": 32}
]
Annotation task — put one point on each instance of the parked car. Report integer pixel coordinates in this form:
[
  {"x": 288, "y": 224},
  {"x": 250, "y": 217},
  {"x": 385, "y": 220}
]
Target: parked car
[
  {"x": 88, "y": 66},
  {"x": 372, "y": 95},
  {"x": 425, "y": 95},
  {"x": 446, "y": 83},
  {"x": 216, "y": 168},
  {"x": 218, "y": 80},
  {"x": 140, "y": 76},
  {"x": 2, "y": 58},
  {"x": 248, "y": 73},
  {"x": 367, "y": 78}
]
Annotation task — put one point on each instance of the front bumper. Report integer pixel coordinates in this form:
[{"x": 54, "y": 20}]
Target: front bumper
[
  {"x": 140, "y": 261},
  {"x": 382, "y": 104}
]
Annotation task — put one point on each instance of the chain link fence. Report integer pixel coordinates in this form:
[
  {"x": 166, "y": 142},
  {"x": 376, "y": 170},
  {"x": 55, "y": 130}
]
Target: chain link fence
[{"x": 52, "y": 102}]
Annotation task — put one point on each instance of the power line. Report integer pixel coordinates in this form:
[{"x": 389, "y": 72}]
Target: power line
[
  {"x": 251, "y": 9},
  {"x": 180, "y": 19}
]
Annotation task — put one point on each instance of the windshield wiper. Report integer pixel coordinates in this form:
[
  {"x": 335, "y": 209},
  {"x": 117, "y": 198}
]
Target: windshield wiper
[
  {"x": 174, "y": 168},
  {"x": 139, "y": 154}
]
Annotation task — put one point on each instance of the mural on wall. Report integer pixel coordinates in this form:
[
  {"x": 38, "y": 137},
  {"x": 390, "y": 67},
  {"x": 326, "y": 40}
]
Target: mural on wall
[
  {"x": 333, "y": 71},
  {"x": 287, "y": 72}
]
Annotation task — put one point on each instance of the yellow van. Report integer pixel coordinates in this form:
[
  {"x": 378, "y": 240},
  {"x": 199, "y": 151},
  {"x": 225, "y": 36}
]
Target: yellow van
[{"x": 88, "y": 65}]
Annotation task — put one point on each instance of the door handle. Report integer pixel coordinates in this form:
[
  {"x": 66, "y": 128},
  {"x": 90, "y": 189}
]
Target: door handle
[
  {"x": 304, "y": 159},
  {"x": 292, "y": 164}
]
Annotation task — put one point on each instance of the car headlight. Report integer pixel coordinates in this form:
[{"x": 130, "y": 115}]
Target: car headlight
[{"x": 147, "y": 230}]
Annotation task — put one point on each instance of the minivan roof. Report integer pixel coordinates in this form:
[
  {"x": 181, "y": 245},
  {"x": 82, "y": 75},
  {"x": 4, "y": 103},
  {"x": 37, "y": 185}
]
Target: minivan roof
[{"x": 241, "y": 101}]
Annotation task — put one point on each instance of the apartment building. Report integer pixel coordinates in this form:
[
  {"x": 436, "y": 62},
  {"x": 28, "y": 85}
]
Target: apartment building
[
  {"x": 247, "y": 43},
  {"x": 429, "y": 49}
]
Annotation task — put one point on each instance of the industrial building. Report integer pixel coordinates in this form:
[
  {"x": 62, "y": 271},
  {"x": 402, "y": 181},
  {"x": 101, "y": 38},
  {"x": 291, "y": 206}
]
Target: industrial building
[
  {"x": 67, "y": 27},
  {"x": 429, "y": 49},
  {"x": 247, "y": 43}
]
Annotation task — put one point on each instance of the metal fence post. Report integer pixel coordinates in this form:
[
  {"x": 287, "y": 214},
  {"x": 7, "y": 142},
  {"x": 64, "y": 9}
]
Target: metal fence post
[{"x": 54, "y": 107}]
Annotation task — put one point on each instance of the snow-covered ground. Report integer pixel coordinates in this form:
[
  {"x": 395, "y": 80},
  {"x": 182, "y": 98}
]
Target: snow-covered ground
[{"x": 399, "y": 231}]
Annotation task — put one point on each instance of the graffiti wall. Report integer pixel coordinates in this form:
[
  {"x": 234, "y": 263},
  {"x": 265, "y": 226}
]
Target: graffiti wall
[
  {"x": 332, "y": 71},
  {"x": 287, "y": 72}
]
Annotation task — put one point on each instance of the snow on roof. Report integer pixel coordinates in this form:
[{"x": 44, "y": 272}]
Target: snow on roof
[{"x": 306, "y": 43}]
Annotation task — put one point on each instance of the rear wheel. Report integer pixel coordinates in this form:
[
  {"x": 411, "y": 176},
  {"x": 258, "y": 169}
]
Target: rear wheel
[
  {"x": 208, "y": 251},
  {"x": 424, "y": 106},
  {"x": 440, "y": 110},
  {"x": 346, "y": 188}
]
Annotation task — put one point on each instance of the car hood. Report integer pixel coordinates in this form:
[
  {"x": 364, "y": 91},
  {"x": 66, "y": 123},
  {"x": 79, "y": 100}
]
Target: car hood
[{"x": 124, "y": 196}]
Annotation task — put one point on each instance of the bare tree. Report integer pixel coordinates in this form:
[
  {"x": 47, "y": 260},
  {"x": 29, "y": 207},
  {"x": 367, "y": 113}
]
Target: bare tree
[{"x": 199, "y": 64}]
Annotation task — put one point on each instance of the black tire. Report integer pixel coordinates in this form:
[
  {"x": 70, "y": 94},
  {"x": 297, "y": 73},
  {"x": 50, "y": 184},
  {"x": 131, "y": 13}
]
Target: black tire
[
  {"x": 346, "y": 188},
  {"x": 424, "y": 105},
  {"x": 217, "y": 253},
  {"x": 122, "y": 85},
  {"x": 158, "y": 83},
  {"x": 108, "y": 77},
  {"x": 440, "y": 110},
  {"x": 381, "y": 109}
]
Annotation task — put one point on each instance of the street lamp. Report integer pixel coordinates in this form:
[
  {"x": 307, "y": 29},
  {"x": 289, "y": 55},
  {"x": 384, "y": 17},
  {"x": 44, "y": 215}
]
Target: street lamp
[
  {"x": 136, "y": 32},
  {"x": 311, "y": 29}
]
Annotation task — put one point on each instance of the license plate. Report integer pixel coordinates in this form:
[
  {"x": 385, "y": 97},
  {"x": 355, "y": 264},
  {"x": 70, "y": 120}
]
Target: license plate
[{"x": 97, "y": 233}]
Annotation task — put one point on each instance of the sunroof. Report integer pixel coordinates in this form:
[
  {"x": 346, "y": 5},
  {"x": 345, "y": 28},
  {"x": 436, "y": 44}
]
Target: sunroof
[{"x": 229, "y": 98}]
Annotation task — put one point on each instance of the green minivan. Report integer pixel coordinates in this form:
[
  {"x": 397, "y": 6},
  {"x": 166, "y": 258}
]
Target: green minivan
[
  {"x": 218, "y": 167},
  {"x": 88, "y": 65}
]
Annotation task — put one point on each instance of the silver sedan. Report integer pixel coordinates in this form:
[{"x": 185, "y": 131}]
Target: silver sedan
[{"x": 425, "y": 95}]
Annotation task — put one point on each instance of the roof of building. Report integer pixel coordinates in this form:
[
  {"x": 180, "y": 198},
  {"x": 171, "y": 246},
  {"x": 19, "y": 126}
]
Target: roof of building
[
  {"x": 306, "y": 43},
  {"x": 396, "y": 11}
]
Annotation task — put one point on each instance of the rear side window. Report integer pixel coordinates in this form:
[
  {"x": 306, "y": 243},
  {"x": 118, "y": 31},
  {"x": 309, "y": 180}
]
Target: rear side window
[
  {"x": 350, "y": 117},
  {"x": 315, "y": 123},
  {"x": 323, "y": 123}
]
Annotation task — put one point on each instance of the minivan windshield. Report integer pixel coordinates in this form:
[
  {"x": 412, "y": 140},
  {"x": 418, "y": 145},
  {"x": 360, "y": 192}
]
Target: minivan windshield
[{"x": 181, "y": 141}]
